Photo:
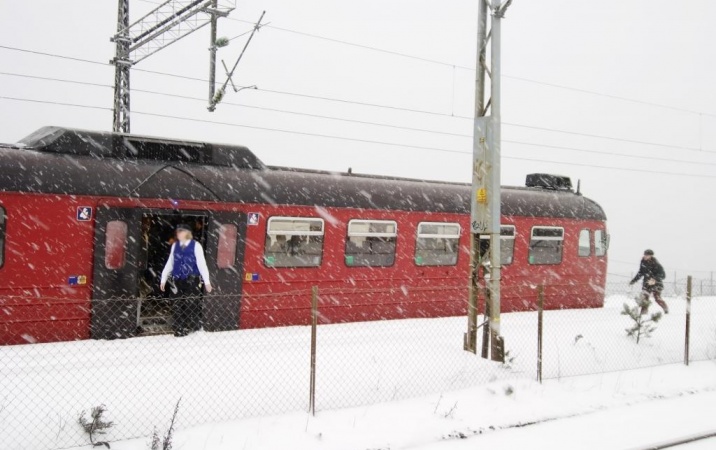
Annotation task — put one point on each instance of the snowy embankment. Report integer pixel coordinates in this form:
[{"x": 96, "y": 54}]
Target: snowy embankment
[{"x": 248, "y": 373}]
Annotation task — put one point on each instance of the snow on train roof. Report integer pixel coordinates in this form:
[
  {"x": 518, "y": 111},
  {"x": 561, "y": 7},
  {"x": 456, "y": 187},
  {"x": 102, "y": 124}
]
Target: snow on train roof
[{"x": 61, "y": 161}]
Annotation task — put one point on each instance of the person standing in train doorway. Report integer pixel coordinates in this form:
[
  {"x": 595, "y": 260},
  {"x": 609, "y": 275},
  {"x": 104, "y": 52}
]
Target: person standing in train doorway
[
  {"x": 653, "y": 274},
  {"x": 187, "y": 267}
]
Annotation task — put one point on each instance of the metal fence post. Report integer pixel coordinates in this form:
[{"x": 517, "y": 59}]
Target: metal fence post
[
  {"x": 688, "y": 320},
  {"x": 540, "y": 309},
  {"x": 314, "y": 326}
]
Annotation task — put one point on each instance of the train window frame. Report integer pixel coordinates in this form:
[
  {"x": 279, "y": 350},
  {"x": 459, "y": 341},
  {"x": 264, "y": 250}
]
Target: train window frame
[
  {"x": 3, "y": 235},
  {"x": 505, "y": 238},
  {"x": 420, "y": 260},
  {"x": 317, "y": 260},
  {"x": 580, "y": 248},
  {"x": 560, "y": 239},
  {"x": 115, "y": 244},
  {"x": 349, "y": 256},
  {"x": 601, "y": 251},
  {"x": 226, "y": 247}
]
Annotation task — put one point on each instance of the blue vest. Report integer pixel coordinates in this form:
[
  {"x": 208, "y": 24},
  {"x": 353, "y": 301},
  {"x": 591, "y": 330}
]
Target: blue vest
[{"x": 185, "y": 261}]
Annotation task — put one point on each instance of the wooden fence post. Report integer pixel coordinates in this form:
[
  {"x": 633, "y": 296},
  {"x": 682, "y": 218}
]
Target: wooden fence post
[
  {"x": 314, "y": 326},
  {"x": 486, "y": 327},
  {"x": 688, "y": 320},
  {"x": 540, "y": 329}
]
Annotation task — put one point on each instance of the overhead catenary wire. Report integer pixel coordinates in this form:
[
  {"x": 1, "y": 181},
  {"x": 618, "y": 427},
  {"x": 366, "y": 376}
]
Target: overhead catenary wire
[
  {"x": 344, "y": 138},
  {"x": 390, "y": 107},
  {"x": 215, "y": 122},
  {"x": 464, "y": 67},
  {"x": 472, "y": 69},
  {"x": 369, "y": 123}
]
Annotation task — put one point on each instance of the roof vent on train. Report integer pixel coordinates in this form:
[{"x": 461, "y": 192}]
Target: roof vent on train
[
  {"x": 548, "y": 181},
  {"x": 132, "y": 147}
]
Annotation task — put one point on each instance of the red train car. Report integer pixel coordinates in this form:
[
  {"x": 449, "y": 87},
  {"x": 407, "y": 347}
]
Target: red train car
[{"x": 86, "y": 219}]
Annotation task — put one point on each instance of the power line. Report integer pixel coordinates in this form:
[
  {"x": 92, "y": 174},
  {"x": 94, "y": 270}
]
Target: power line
[
  {"x": 316, "y": 116},
  {"x": 610, "y": 138},
  {"x": 48, "y": 102},
  {"x": 458, "y": 66},
  {"x": 611, "y": 96},
  {"x": 389, "y": 107},
  {"x": 599, "y": 152},
  {"x": 363, "y": 46},
  {"x": 595, "y": 166},
  {"x": 261, "y": 108},
  {"x": 472, "y": 69},
  {"x": 61, "y": 80},
  {"x": 367, "y": 141},
  {"x": 324, "y": 117},
  {"x": 52, "y": 55},
  {"x": 301, "y": 133}
]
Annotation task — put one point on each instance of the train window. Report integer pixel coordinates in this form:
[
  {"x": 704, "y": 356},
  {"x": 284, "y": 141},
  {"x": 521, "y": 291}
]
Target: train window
[
  {"x": 437, "y": 244},
  {"x": 507, "y": 243},
  {"x": 585, "y": 243},
  {"x": 371, "y": 243},
  {"x": 601, "y": 242},
  {"x": 294, "y": 242},
  {"x": 2, "y": 236},
  {"x": 115, "y": 244},
  {"x": 226, "y": 252},
  {"x": 546, "y": 245}
]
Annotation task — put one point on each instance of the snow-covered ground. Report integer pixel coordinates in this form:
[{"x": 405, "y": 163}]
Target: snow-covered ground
[
  {"x": 249, "y": 375},
  {"x": 631, "y": 426},
  {"x": 614, "y": 411}
]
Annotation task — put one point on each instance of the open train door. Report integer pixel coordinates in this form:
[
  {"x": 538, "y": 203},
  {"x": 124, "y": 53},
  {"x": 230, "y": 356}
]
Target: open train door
[
  {"x": 115, "y": 288},
  {"x": 225, "y": 258}
]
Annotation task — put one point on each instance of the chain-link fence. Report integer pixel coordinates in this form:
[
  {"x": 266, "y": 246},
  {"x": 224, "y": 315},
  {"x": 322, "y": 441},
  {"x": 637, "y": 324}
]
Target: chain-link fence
[
  {"x": 225, "y": 375},
  {"x": 578, "y": 342}
]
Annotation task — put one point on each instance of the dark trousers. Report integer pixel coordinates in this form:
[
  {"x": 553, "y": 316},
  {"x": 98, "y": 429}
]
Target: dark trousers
[
  {"x": 657, "y": 297},
  {"x": 186, "y": 306}
]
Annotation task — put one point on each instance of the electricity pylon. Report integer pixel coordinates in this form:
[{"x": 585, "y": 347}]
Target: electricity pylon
[{"x": 166, "y": 24}]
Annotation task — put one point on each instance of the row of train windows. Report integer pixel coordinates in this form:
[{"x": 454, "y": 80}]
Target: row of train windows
[{"x": 298, "y": 242}]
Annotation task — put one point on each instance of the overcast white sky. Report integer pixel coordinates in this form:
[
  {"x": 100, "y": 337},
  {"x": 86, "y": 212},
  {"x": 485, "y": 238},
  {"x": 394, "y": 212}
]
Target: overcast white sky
[{"x": 655, "y": 51}]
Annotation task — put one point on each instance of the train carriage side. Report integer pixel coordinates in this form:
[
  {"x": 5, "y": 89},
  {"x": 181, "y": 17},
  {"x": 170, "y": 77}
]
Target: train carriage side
[
  {"x": 86, "y": 228},
  {"x": 422, "y": 273},
  {"x": 87, "y": 218}
]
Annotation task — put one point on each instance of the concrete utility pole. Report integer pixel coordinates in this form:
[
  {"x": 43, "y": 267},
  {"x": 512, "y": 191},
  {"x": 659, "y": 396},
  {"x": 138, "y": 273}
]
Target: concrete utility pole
[
  {"x": 166, "y": 24},
  {"x": 486, "y": 192}
]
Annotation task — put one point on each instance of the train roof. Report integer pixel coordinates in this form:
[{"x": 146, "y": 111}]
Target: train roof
[{"x": 76, "y": 162}]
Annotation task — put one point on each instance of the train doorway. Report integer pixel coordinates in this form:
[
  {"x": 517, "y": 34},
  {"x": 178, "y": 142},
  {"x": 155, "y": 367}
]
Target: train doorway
[
  {"x": 131, "y": 248},
  {"x": 154, "y": 311}
]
